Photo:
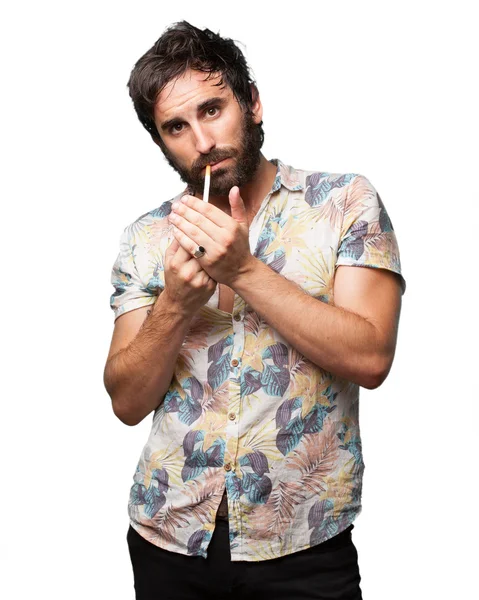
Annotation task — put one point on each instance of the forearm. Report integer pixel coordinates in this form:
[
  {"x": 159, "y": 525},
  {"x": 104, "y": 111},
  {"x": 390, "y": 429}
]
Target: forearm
[
  {"x": 336, "y": 340},
  {"x": 138, "y": 377}
]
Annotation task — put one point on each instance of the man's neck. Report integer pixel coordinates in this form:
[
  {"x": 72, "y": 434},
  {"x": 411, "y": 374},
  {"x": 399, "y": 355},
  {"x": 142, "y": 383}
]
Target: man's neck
[{"x": 254, "y": 192}]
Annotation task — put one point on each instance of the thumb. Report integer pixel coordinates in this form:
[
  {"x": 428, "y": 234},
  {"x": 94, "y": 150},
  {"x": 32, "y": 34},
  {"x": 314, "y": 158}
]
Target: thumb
[
  {"x": 238, "y": 210},
  {"x": 173, "y": 247}
]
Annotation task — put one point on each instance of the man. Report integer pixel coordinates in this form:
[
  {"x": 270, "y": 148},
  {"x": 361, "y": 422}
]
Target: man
[{"x": 244, "y": 324}]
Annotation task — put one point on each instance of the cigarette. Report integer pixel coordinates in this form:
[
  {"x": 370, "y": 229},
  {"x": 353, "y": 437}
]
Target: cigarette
[{"x": 206, "y": 191}]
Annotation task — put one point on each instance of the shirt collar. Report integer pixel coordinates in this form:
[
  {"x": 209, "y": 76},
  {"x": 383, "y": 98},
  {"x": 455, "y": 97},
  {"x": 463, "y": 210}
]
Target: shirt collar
[{"x": 286, "y": 176}]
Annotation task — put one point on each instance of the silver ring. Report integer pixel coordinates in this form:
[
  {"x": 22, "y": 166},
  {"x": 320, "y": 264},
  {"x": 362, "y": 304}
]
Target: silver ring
[{"x": 199, "y": 252}]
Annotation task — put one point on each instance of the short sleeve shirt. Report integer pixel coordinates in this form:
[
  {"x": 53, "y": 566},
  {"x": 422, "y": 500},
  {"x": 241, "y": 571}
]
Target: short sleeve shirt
[{"x": 245, "y": 411}]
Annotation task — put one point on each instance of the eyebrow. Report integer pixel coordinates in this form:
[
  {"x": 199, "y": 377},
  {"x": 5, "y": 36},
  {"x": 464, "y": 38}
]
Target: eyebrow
[{"x": 217, "y": 101}]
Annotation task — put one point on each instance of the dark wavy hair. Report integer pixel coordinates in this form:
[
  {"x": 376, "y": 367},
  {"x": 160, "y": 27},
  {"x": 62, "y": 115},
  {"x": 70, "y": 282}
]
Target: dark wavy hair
[{"x": 181, "y": 47}]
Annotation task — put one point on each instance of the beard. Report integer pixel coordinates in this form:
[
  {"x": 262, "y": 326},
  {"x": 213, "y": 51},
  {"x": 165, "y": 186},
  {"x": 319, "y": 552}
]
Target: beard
[{"x": 246, "y": 159}]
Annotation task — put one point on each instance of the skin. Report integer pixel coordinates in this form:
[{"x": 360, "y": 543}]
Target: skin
[
  {"x": 356, "y": 337},
  {"x": 200, "y": 135},
  {"x": 198, "y": 138}
]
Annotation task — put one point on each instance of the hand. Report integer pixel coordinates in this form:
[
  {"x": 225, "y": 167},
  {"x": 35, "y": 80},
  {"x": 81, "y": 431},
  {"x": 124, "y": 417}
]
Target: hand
[
  {"x": 225, "y": 238},
  {"x": 187, "y": 285}
]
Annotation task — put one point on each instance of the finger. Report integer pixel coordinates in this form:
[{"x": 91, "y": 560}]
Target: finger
[
  {"x": 173, "y": 247},
  {"x": 206, "y": 209},
  {"x": 175, "y": 252},
  {"x": 238, "y": 210},
  {"x": 197, "y": 235},
  {"x": 194, "y": 223},
  {"x": 201, "y": 279},
  {"x": 189, "y": 245}
]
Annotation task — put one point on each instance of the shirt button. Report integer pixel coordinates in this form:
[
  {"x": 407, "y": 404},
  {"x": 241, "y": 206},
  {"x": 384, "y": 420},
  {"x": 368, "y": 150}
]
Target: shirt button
[
  {"x": 227, "y": 467},
  {"x": 234, "y": 362},
  {"x": 237, "y": 317},
  {"x": 231, "y": 416}
]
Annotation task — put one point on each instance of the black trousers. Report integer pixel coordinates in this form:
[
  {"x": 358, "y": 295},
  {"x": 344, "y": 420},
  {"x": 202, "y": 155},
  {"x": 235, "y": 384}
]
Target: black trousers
[{"x": 328, "y": 571}]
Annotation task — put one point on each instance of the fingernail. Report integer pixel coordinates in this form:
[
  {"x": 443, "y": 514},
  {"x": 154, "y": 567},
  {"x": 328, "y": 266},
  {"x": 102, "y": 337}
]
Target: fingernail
[{"x": 184, "y": 199}]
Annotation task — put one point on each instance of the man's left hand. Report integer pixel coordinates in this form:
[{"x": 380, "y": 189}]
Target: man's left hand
[{"x": 225, "y": 238}]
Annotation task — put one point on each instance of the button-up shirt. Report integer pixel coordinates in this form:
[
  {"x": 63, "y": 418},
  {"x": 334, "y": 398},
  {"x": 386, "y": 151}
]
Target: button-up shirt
[{"x": 247, "y": 413}]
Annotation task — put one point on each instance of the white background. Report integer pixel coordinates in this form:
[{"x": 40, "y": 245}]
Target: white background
[{"x": 388, "y": 90}]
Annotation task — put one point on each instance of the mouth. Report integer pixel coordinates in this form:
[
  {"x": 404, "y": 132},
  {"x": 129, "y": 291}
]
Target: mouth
[{"x": 217, "y": 165}]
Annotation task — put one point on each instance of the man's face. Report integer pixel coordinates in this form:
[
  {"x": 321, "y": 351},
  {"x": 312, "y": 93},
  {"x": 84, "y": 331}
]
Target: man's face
[{"x": 202, "y": 124}]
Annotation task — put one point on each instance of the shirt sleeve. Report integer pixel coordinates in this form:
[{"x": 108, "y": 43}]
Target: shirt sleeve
[
  {"x": 130, "y": 292},
  {"x": 367, "y": 234}
]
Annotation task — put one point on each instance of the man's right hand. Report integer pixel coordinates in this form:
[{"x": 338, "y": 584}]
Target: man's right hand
[{"x": 187, "y": 285}]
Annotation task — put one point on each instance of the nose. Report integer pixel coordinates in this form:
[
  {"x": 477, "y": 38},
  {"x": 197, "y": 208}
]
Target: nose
[{"x": 204, "y": 140}]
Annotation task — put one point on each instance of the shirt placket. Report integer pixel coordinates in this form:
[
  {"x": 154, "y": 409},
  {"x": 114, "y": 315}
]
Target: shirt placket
[
  {"x": 234, "y": 406},
  {"x": 231, "y": 466}
]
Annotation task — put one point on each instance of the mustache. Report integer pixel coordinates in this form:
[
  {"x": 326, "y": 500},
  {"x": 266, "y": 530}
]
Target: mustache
[{"x": 214, "y": 157}]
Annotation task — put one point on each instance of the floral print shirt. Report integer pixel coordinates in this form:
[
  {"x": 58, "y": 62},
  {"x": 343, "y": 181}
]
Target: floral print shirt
[{"x": 245, "y": 411}]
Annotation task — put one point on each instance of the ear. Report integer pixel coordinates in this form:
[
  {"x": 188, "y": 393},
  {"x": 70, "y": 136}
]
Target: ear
[{"x": 257, "y": 107}]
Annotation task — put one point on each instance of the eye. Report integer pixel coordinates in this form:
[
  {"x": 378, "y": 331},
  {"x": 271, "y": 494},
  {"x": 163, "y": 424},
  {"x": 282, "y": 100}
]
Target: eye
[
  {"x": 176, "y": 128},
  {"x": 212, "y": 111}
]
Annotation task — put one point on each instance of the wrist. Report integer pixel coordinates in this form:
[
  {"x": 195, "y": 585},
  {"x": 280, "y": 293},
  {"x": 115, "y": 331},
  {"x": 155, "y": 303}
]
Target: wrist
[
  {"x": 245, "y": 273},
  {"x": 171, "y": 306}
]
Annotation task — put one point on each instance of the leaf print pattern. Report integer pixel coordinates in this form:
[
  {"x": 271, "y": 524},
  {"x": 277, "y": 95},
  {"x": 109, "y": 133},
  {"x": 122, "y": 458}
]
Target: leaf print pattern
[
  {"x": 351, "y": 442},
  {"x": 250, "y": 381},
  {"x": 197, "y": 457},
  {"x": 153, "y": 497},
  {"x": 266, "y": 251},
  {"x": 354, "y": 246},
  {"x": 319, "y": 186},
  {"x": 275, "y": 377},
  {"x": 219, "y": 355},
  {"x": 384, "y": 220},
  {"x": 275, "y": 431},
  {"x": 271, "y": 520},
  {"x": 188, "y": 407},
  {"x": 303, "y": 414},
  {"x": 368, "y": 238},
  {"x": 252, "y": 483},
  {"x": 317, "y": 274},
  {"x": 265, "y": 363},
  {"x": 255, "y": 484},
  {"x": 163, "y": 211},
  {"x": 313, "y": 462},
  {"x": 129, "y": 288}
]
